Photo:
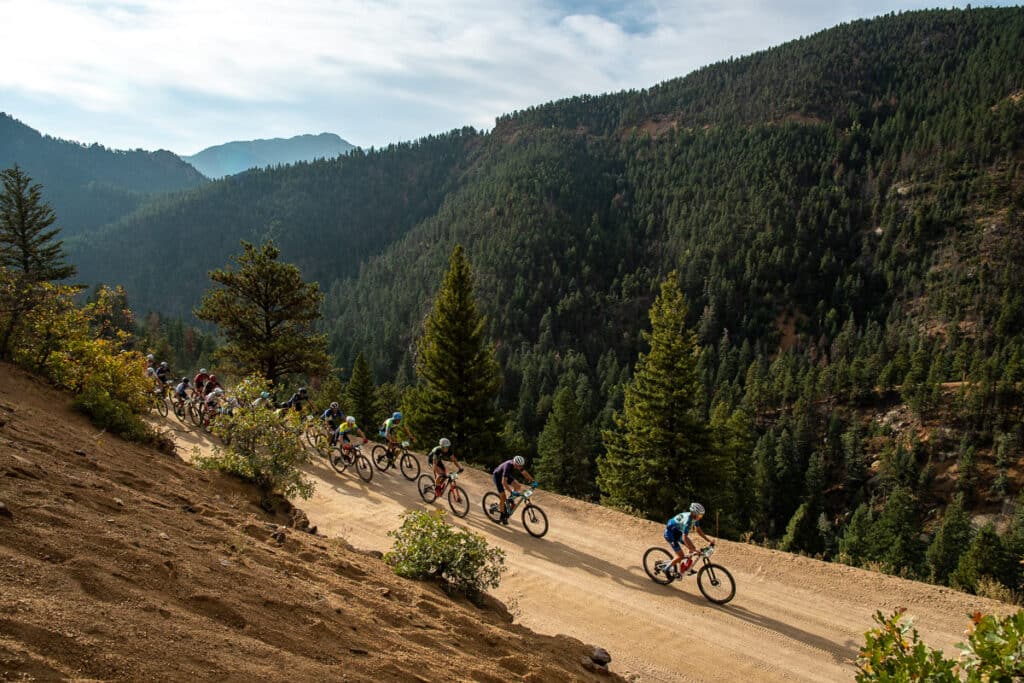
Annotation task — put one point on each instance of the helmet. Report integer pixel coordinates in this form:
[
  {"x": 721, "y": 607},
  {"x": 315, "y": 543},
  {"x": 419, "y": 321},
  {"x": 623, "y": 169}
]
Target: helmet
[
  {"x": 350, "y": 419},
  {"x": 334, "y": 405},
  {"x": 302, "y": 390},
  {"x": 519, "y": 460},
  {"x": 696, "y": 508},
  {"x": 163, "y": 364},
  {"x": 202, "y": 371},
  {"x": 264, "y": 394},
  {"x": 444, "y": 443},
  {"x": 397, "y": 416},
  {"x": 185, "y": 380},
  {"x": 218, "y": 391},
  {"x": 213, "y": 378},
  {"x": 149, "y": 356}
]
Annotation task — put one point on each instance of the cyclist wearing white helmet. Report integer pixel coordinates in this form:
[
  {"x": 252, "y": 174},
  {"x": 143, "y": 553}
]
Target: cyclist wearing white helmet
[
  {"x": 437, "y": 456},
  {"x": 392, "y": 427},
  {"x": 333, "y": 418},
  {"x": 678, "y": 529},
  {"x": 199, "y": 382},
  {"x": 347, "y": 427},
  {"x": 503, "y": 481}
]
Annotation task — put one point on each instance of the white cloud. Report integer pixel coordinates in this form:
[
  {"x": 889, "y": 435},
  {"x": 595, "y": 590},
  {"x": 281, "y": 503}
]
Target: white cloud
[{"x": 184, "y": 74}]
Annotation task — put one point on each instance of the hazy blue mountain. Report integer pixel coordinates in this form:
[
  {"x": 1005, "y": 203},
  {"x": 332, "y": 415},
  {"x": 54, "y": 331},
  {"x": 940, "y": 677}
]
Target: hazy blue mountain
[
  {"x": 234, "y": 157},
  {"x": 90, "y": 185}
]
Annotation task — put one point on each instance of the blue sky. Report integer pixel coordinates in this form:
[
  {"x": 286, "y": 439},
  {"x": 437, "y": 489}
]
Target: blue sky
[{"x": 186, "y": 74}]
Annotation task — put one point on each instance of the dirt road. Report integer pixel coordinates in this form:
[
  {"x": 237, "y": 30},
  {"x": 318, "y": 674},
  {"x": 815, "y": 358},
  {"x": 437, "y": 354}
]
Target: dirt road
[{"x": 793, "y": 618}]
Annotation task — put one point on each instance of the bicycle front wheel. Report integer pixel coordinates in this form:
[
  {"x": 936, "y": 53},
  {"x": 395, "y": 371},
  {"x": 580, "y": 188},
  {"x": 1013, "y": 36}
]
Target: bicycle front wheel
[
  {"x": 425, "y": 486},
  {"x": 410, "y": 466},
  {"x": 195, "y": 415},
  {"x": 655, "y": 561},
  {"x": 535, "y": 521},
  {"x": 492, "y": 506},
  {"x": 380, "y": 458},
  {"x": 458, "y": 501},
  {"x": 180, "y": 411},
  {"x": 363, "y": 468},
  {"x": 161, "y": 405},
  {"x": 716, "y": 583}
]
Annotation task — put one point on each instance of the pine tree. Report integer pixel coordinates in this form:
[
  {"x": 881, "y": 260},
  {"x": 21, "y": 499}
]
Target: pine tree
[
  {"x": 986, "y": 557},
  {"x": 660, "y": 454},
  {"x": 266, "y": 313},
  {"x": 458, "y": 373},
  {"x": 950, "y": 541},
  {"x": 564, "y": 455},
  {"x": 360, "y": 394},
  {"x": 29, "y": 253}
]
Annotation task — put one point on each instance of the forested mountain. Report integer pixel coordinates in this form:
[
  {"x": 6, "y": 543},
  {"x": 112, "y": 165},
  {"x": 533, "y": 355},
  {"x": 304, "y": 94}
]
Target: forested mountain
[
  {"x": 90, "y": 185},
  {"x": 234, "y": 157},
  {"x": 845, "y": 212}
]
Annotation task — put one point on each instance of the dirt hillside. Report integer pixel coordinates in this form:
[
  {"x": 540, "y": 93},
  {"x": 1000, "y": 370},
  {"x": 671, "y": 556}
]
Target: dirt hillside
[
  {"x": 118, "y": 562},
  {"x": 793, "y": 618}
]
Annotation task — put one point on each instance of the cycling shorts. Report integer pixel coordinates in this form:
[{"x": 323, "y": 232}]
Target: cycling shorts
[
  {"x": 440, "y": 466},
  {"x": 674, "y": 536},
  {"x": 498, "y": 483}
]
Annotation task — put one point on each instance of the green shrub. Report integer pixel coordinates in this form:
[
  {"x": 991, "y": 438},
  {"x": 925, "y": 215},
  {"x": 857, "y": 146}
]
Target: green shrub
[
  {"x": 261, "y": 446},
  {"x": 994, "y": 649},
  {"x": 426, "y": 547},
  {"x": 113, "y": 415},
  {"x": 894, "y": 652}
]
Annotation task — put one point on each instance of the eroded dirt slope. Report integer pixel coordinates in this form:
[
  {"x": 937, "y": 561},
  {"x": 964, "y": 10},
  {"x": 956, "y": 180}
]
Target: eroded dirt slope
[{"x": 117, "y": 562}]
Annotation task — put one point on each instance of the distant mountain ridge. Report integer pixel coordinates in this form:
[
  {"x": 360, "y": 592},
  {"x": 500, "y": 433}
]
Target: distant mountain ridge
[
  {"x": 90, "y": 185},
  {"x": 234, "y": 157}
]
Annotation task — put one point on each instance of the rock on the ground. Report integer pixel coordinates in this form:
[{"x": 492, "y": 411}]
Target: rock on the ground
[
  {"x": 590, "y": 665},
  {"x": 601, "y": 656},
  {"x": 6, "y": 511}
]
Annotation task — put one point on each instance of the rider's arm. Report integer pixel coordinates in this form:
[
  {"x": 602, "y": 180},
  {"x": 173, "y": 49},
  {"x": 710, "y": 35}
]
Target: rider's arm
[
  {"x": 700, "y": 531},
  {"x": 528, "y": 475}
]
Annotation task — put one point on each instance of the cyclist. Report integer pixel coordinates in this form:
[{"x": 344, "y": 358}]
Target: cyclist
[
  {"x": 263, "y": 401},
  {"x": 163, "y": 373},
  {"x": 333, "y": 418},
  {"x": 181, "y": 390},
  {"x": 212, "y": 403},
  {"x": 297, "y": 401},
  {"x": 503, "y": 480},
  {"x": 436, "y": 458},
  {"x": 211, "y": 385},
  {"x": 392, "y": 426},
  {"x": 678, "y": 529},
  {"x": 349, "y": 427},
  {"x": 151, "y": 372},
  {"x": 199, "y": 382}
]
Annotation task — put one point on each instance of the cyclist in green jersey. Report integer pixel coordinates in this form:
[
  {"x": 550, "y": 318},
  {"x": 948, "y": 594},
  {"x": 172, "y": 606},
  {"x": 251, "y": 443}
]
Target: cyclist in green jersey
[
  {"x": 436, "y": 457},
  {"x": 392, "y": 428}
]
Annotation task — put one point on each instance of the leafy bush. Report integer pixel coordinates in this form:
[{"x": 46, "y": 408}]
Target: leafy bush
[
  {"x": 895, "y": 652},
  {"x": 426, "y": 547},
  {"x": 262, "y": 446}
]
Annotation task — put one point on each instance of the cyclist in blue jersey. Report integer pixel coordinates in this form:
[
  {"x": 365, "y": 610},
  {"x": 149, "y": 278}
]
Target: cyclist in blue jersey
[
  {"x": 678, "y": 529},
  {"x": 332, "y": 419},
  {"x": 504, "y": 481}
]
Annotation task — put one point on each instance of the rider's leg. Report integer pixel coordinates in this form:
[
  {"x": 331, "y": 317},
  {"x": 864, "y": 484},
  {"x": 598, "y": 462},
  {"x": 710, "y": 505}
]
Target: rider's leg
[
  {"x": 439, "y": 473},
  {"x": 673, "y": 541}
]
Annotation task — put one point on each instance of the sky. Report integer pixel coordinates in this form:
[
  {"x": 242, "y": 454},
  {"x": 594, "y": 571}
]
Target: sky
[{"x": 187, "y": 74}]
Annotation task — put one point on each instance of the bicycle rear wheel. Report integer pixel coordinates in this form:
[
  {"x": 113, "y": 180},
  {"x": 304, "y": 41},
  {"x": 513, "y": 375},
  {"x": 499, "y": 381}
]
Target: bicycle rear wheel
[
  {"x": 338, "y": 461},
  {"x": 458, "y": 501},
  {"x": 535, "y": 521},
  {"x": 655, "y": 561},
  {"x": 426, "y": 488},
  {"x": 492, "y": 506},
  {"x": 195, "y": 415},
  {"x": 410, "y": 466},
  {"x": 379, "y": 455},
  {"x": 180, "y": 411},
  {"x": 716, "y": 583},
  {"x": 363, "y": 468},
  {"x": 161, "y": 405}
]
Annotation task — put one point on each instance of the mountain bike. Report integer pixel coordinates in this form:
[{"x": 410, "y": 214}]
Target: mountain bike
[
  {"x": 342, "y": 458},
  {"x": 714, "y": 581},
  {"x": 534, "y": 520},
  {"x": 181, "y": 407},
  {"x": 315, "y": 434},
  {"x": 157, "y": 401},
  {"x": 458, "y": 499},
  {"x": 384, "y": 457}
]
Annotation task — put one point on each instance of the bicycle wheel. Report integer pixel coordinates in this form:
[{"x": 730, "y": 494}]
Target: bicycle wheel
[
  {"x": 180, "y": 411},
  {"x": 716, "y": 583},
  {"x": 309, "y": 431},
  {"x": 380, "y": 458},
  {"x": 458, "y": 501},
  {"x": 426, "y": 488},
  {"x": 195, "y": 415},
  {"x": 363, "y": 468},
  {"x": 161, "y": 405},
  {"x": 337, "y": 460},
  {"x": 535, "y": 521},
  {"x": 492, "y": 506},
  {"x": 655, "y": 561},
  {"x": 410, "y": 466}
]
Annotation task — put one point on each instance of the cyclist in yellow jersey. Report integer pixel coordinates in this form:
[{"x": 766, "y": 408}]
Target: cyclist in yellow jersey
[{"x": 349, "y": 427}]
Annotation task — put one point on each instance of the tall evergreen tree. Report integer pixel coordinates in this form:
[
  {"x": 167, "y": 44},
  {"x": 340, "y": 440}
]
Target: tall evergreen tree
[
  {"x": 950, "y": 541},
  {"x": 458, "y": 373},
  {"x": 660, "y": 454},
  {"x": 361, "y": 394},
  {"x": 266, "y": 313},
  {"x": 564, "y": 456},
  {"x": 29, "y": 253}
]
